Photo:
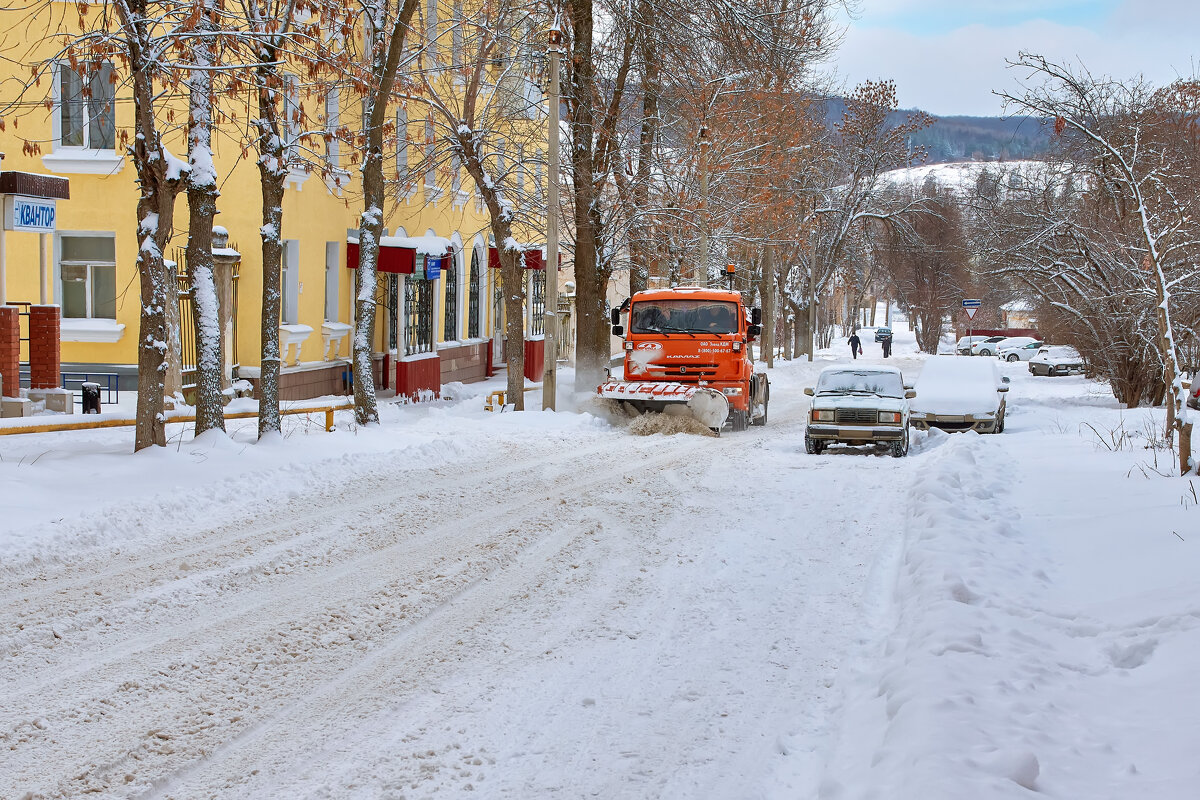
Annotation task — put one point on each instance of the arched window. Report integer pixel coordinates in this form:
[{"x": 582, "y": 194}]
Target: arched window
[
  {"x": 473, "y": 296},
  {"x": 450, "y": 323}
]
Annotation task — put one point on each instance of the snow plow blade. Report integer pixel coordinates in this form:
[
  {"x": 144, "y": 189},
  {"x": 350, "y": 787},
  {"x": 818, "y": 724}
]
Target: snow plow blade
[{"x": 707, "y": 406}]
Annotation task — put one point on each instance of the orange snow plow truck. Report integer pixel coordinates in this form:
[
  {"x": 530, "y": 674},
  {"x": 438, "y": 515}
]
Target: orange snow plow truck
[{"x": 687, "y": 353}]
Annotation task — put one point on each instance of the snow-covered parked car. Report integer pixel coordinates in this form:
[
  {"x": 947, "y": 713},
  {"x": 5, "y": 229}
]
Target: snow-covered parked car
[
  {"x": 1018, "y": 348},
  {"x": 858, "y": 405},
  {"x": 964, "y": 345},
  {"x": 1056, "y": 360},
  {"x": 960, "y": 394},
  {"x": 986, "y": 347}
]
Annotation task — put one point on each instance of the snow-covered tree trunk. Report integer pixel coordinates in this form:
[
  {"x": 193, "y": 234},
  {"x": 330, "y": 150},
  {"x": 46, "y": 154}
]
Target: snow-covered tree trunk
[
  {"x": 159, "y": 176},
  {"x": 202, "y": 193},
  {"x": 272, "y": 171},
  {"x": 385, "y": 63}
]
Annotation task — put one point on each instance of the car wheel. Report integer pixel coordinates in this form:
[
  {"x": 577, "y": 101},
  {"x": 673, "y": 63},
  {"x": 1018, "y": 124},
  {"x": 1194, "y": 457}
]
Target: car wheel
[
  {"x": 813, "y": 447},
  {"x": 983, "y": 351},
  {"x": 900, "y": 448},
  {"x": 1013, "y": 357}
]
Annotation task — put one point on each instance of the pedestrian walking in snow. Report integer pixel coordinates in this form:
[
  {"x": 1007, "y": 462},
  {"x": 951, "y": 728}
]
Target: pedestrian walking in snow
[
  {"x": 855, "y": 345},
  {"x": 886, "y": 341}
]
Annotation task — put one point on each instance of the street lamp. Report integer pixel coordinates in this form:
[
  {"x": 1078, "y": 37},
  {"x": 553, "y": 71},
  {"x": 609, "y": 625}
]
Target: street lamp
[
  {"x": 554, "y": 50},
  {"x": 702, "y": 136}
]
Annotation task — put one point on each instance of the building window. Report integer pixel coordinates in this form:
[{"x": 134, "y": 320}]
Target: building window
[
  {"x": 456, "y": 172},
  {"x": 332, "y": 123},
  {"x": 430, "y": 172},
  {"x": 537, "y": 309},
  {"x": 332, "y": 251},
  {"x": 291, "y": 116},
  {"x": 418, "y": 312},
  {"x": 537, "y": 174},
  {"x": 402, "y": 149},
  {"x": 88, "y": 271},
  {"x": 289, "y": 281},
  {"x": 473, "y": 296},
  {"x": 431, "y": 30},
  {"x": 450, "y": 323},
  {"x": 456, "y": 35},
  {"x": 85, "y": 111}
]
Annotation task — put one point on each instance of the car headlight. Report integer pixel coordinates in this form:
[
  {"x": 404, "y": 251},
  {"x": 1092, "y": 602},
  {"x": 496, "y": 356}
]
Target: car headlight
[
  {"x": 890, "y": 417},
  {"x": 822, "y": 415}
]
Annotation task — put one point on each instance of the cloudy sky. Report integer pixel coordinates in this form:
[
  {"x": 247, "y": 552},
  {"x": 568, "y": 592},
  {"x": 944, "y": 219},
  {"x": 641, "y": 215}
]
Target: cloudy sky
[{"x": 947, "y": 55}]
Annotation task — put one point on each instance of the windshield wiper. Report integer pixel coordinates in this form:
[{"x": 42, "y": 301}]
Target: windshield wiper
[{"x": 673, "y": 329}]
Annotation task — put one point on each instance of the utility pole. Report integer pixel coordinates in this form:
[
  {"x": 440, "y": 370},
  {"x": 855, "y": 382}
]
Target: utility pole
[
  {"x": 703, "y": 265},
  {"x": 550, "y": 365}
]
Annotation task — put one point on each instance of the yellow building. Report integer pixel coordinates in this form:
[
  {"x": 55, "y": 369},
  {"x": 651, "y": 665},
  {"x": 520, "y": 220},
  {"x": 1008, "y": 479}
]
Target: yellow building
[{"x": 91, "y": 253}]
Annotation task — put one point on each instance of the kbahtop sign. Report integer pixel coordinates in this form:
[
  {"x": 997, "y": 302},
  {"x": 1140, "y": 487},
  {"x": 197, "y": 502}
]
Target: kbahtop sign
[{"x": 34, "y": 214}]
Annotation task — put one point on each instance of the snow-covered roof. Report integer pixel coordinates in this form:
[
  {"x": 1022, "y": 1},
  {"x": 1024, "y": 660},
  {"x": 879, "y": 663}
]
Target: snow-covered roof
[
  {"x": 424, "y": 245},
  {"x": 1017, "y": 305}
]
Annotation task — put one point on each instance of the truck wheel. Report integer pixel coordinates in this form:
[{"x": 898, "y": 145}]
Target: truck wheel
[
  {"x": 737, "y": 420},
  {"x": 900, "y": 448},
  {"x": 766, "y": 399}
]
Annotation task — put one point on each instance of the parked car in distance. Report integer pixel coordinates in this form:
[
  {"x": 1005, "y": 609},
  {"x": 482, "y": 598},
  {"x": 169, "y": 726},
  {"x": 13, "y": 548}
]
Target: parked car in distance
[
  {"x": 882, "y": 333},
  {"x": 960, "y": 394},
  {"x": 1056, "y": 360},
  {"x": 858, "y": 405},
  {"x": 987, "y": 347},
  {"x": 963, "y": 347},
  {"x": 1018, "y": 348}
]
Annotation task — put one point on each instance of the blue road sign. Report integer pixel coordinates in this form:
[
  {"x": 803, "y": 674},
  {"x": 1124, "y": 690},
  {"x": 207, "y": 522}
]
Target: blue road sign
[{"x": 971, "y": 303}]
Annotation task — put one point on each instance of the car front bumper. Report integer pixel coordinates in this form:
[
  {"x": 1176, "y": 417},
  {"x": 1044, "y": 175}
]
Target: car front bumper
[
  {"x": 855, "y": 434},
  {"x": 955, "y": 423}
]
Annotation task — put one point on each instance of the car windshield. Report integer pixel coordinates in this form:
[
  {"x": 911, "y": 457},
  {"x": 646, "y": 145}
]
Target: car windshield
[
  {"x": 860, "y": 381},
  {"x": 684, "y": 316}
]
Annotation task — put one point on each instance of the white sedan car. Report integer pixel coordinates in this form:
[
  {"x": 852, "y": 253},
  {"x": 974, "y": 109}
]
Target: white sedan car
[
  {"x": 986, "y": 347},
  {"x": 1018, "y": 348}
]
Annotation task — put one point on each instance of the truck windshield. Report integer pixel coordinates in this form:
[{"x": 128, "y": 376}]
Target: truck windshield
[
  {"x": 860, "y": 381},
  {"x": 684, "y": 316}
]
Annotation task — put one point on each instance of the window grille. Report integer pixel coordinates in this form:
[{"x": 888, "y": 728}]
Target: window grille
[
  {"x": 418, "y": 313},
  {"x": 450, "y": 277},
  {"x": 537, "y": 325},
  {"x": 473, "y": 296}
]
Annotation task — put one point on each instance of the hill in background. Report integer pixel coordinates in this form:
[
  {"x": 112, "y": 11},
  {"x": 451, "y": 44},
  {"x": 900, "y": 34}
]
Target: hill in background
[{"x": 952, "y": 139}]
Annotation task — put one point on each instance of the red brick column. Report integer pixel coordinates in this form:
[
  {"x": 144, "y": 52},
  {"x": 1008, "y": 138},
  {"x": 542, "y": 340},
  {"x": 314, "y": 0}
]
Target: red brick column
[
  {"x": 10, "y": 350},
  {"x": 45, "y": 348}
]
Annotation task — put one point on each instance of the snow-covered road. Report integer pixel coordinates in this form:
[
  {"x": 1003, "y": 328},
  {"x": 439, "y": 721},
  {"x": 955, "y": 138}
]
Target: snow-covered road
[
  {"x": 457, "y": 604},
  {"x": 604, "y": 615}
]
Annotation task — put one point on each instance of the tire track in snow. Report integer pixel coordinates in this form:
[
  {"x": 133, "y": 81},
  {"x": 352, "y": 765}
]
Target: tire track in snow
[{"x": 279, "y": 606}]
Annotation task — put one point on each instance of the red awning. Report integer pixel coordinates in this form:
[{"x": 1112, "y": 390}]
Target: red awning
[
  {"x": 534, "y": 258},
  {"x": 398, "y": 254}
]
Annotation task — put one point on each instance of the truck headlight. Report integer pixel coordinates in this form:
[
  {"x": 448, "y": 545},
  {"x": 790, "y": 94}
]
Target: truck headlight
[
  {"x": 890, "y": 417},
  {"x": 822, "y": 415}
]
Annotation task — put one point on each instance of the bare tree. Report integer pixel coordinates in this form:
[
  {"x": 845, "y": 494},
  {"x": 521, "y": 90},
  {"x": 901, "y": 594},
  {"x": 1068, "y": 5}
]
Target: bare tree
[{"x": 1142, "y": 142}]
